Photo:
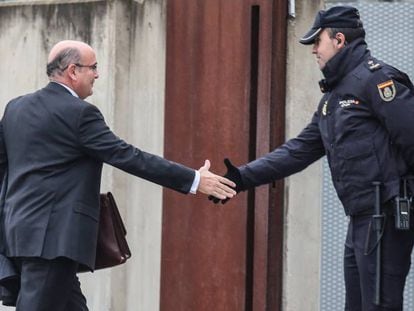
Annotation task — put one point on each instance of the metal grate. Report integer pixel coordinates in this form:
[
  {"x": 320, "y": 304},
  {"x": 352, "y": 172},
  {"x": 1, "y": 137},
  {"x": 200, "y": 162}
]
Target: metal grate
[
  {"x": 334, "y": 225},
  {"x": 390, "y": 37}
]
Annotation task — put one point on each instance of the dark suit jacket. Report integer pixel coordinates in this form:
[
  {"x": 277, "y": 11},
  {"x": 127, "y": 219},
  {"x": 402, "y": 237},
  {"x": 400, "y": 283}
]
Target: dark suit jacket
[{"x": 54, "y": 145}]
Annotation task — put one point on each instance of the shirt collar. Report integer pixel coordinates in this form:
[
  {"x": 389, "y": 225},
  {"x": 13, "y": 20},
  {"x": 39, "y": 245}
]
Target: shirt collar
[{"x": 68, "y": 88}]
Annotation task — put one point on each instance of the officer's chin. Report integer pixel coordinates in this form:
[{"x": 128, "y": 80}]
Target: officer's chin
[{"x": 321, "y": 65}]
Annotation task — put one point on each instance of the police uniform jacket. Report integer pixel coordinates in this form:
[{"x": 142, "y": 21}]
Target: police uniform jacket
[
  {"x": 52, "y": 149},
  {"x": 363, "y": 124}
]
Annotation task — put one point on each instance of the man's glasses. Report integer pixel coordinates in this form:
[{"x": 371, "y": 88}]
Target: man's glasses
[{"x": 93, "y": 67}]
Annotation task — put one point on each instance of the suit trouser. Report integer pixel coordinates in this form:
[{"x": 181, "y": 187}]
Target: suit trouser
[
  {"x": 49, "y": 285},
  {"x": 359, "y": 267}
]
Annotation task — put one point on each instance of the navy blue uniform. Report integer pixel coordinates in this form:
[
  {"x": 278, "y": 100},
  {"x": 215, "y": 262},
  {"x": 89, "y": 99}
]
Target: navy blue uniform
[
  {"x": 364, "y": 137},
  {"x": 364, "y": 124}
]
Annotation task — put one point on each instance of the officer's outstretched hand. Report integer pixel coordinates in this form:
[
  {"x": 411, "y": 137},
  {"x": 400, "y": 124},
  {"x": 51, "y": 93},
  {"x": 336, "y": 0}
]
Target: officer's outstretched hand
[{"x": 233, "y": 174}]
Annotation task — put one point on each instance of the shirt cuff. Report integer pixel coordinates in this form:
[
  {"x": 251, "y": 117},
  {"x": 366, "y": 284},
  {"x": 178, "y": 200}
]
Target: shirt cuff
[{"x": 196, "y": 182}]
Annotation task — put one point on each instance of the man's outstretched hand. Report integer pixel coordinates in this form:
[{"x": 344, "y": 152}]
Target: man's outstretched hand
[
  {"x": 233, "y": 174},
  {"x": 214, "y": 185}
]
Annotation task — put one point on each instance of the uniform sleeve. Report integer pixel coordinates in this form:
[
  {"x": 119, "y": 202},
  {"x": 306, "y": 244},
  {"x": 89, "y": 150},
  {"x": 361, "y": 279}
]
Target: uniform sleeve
[
  {"x": 292, "y": 157},
  {"x": 392, "y": 100},
  {"x": 99, "y": 142}
]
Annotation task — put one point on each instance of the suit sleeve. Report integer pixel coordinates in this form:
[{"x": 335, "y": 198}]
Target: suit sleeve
[
  {"x": 396, "y": 112},
  {"x": 292, "y": 157},
  {"x": 99, "y": 142},
  {"x": 3, "y": 154}
]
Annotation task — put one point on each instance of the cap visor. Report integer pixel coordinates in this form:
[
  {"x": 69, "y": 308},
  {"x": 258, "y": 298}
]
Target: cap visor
[{"x": 310, "y": 36}]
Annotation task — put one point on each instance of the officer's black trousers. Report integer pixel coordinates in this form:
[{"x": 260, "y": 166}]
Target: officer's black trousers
[
  {"x": 359, "y": 268},
  {"x": 49, "y": 285}
]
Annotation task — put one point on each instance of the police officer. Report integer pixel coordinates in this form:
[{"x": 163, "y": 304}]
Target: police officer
[{"x": 364, "y": 124}]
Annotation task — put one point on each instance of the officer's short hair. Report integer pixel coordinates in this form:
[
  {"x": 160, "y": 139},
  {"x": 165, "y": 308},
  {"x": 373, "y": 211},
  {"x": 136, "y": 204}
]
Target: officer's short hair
[{"x": 350, "y": 33}]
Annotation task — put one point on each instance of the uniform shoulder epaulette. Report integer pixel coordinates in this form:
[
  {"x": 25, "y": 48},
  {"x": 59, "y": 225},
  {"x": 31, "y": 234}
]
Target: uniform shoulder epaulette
[{"x": 373, "y": 65}]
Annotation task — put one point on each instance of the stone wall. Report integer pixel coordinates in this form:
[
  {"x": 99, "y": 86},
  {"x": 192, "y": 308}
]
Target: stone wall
[
  {"x": 303, "y": 190},
  {"x": 129, "y": 38}
]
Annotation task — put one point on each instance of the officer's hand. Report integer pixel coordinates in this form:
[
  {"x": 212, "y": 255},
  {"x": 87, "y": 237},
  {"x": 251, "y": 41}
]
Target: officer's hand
[{"x": 233, "y": 174}]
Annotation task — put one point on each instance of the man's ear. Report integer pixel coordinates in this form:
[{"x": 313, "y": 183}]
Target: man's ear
[
  {"x": 340, "y": 38},
  {"x": 72, "y": 72}
]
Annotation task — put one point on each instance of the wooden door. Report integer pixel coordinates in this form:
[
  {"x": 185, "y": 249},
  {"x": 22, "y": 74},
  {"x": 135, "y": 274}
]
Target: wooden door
[{"x": 224, "y": 98}]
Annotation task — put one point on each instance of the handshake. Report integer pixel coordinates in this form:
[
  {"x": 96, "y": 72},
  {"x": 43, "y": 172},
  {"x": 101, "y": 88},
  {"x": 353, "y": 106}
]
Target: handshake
[{"x": 228, "y": 185}]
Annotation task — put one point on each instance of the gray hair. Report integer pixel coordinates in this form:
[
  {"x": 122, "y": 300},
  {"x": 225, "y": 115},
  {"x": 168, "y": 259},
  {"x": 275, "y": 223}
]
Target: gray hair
[{"x": 62, "y": 60}]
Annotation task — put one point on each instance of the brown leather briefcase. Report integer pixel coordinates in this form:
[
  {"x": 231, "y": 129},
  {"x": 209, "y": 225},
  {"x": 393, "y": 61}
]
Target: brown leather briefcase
[{"x": 112, "y": 248}]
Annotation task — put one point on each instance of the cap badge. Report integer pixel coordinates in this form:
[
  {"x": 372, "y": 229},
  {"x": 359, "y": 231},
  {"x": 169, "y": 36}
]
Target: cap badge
[{"x": 387, "y": 90}]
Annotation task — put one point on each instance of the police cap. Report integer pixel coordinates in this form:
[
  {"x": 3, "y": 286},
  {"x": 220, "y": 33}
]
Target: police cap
[{"x": 335, "y": 17}]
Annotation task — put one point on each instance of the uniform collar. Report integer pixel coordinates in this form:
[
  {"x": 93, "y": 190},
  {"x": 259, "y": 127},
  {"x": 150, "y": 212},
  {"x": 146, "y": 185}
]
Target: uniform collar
[{"x": 343, "y": 63}]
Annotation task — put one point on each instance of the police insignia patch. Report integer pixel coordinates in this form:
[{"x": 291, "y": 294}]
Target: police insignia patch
[{"x": 387, "y": 90}]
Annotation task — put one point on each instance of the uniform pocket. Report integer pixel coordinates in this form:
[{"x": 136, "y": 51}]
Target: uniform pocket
[
  {"x": 358, "y": 149},
  {"x": 358, "y": 161}
]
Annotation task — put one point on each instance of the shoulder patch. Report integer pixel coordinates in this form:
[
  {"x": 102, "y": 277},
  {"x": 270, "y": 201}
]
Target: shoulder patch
[{"x": 387, "y": 90}]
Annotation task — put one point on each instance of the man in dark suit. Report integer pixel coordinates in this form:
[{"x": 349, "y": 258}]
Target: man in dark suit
[{"x": 52, "y": 147}]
